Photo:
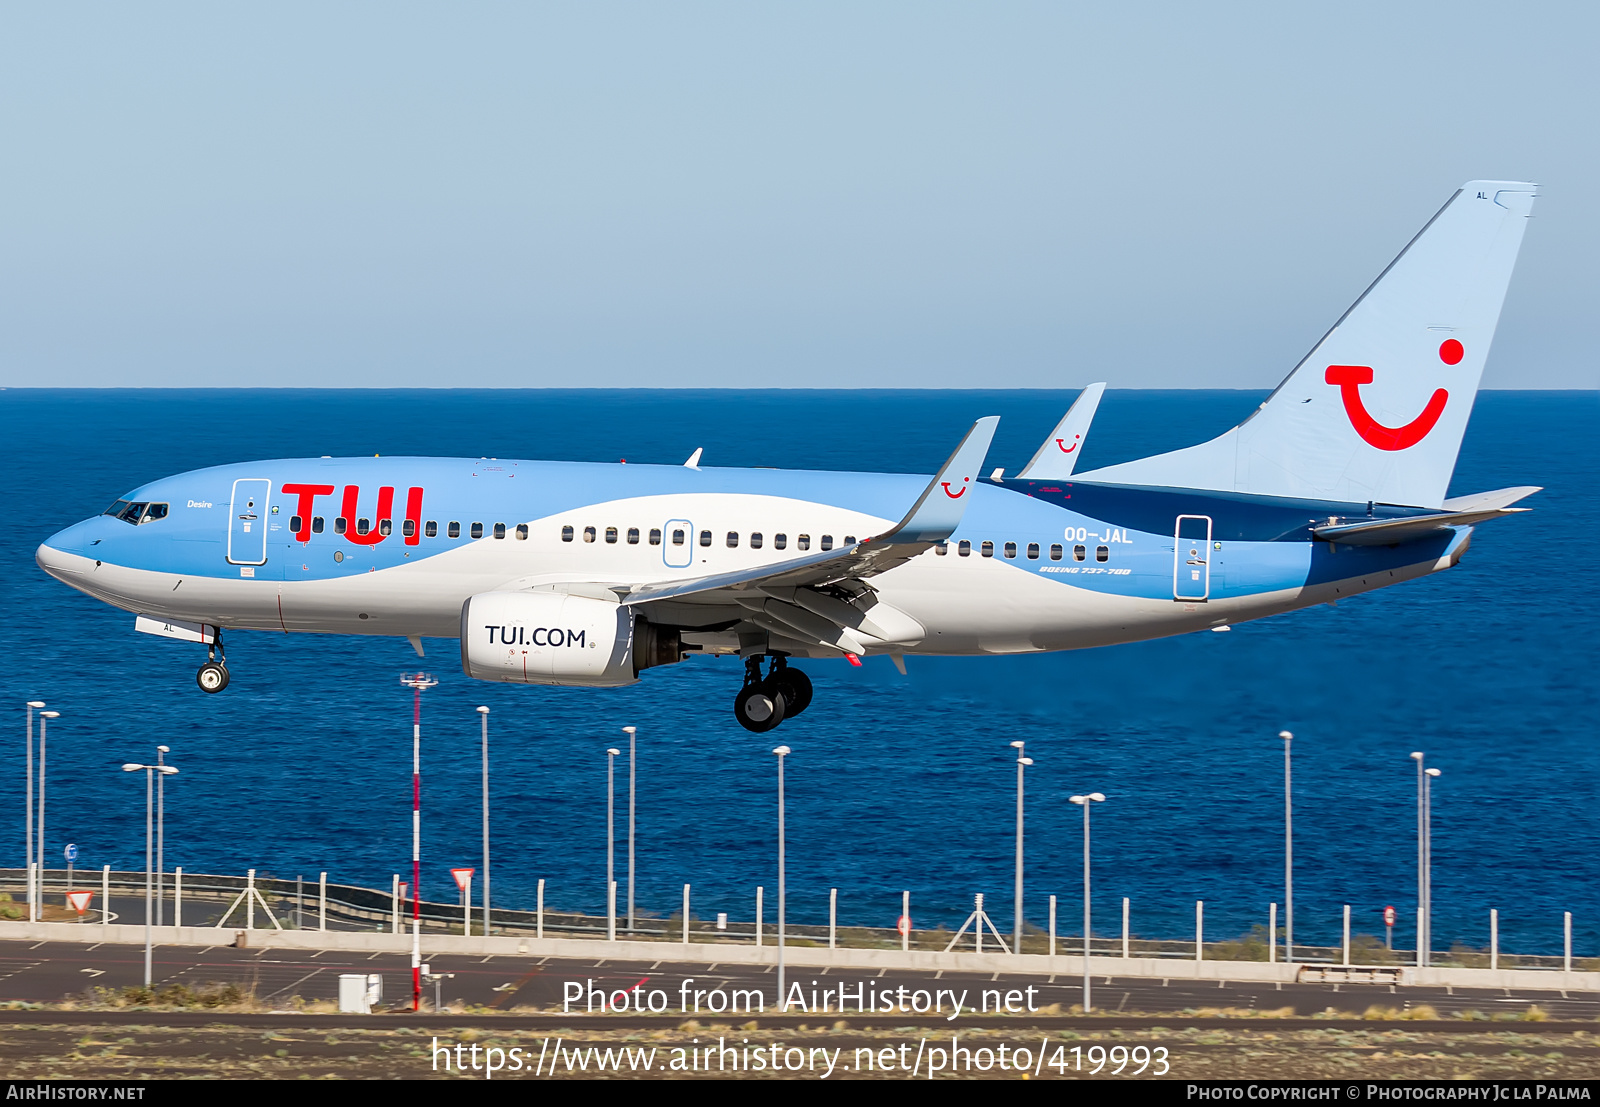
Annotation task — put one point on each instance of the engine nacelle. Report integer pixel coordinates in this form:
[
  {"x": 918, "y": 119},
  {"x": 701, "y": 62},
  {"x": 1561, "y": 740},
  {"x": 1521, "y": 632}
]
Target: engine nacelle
[{"x": 547, "y": 638}]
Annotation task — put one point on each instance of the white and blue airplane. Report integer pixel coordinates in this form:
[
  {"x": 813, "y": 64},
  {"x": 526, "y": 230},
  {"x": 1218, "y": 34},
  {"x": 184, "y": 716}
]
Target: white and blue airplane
[{"x": 586, "y": 574}]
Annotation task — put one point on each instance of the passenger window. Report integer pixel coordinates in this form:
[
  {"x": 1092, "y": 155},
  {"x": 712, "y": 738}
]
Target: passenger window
[
  {"x": 1102, "y": 553},
  {"x": 566, "y": 534},
  {"x": 1033, "y": 551},
  {"x": 779, "y": 541},
  {"x": 477, "y": 530},
  {"x": 755, "y": 540},
  {"x": 454, "y": 530},
  {"x": 633, "y": 536},
  {"x": 849, "y": 540},
  {"x": 733, "y": 539},
  {"x": 942, "y": 549},
  {"x": 1078, "y": 553},
  {"x": 363, "y": 526},
  {"x": 1011, "y": 549},
  {"x": 340, "y": 525},
  {"x": 385, "y": 526},
  {"x": 655, "y": 536},
  {"x": 294, "y": 523},
  {"x": 964, "y": 548},
  {"x": 159, "y": 511},
  {"x": 677, "y": 537},
  {"x": 499, "y": 530},
  {"x": 316, "y": 524},
  {"x": 522, "y": 532},
  {"x": 827, "y": 542},
  {"x": 988, "y": 549},
  {"x": 408, "y": 528},
  {"x": 1055, "y": 552},
  {"x": 611, "y": 536},
  {"x": 705, "y": 538},
  {"x": 803, "y": 542},
  {"x": 588, "y": 534},
  {"x": 431, "y": 528}
]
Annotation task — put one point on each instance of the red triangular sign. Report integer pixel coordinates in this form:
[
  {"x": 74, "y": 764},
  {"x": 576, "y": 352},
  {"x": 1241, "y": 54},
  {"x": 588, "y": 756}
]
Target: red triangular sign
[
  {"x": 80, "y": 901},
  {"x": 463, "y": 877}
]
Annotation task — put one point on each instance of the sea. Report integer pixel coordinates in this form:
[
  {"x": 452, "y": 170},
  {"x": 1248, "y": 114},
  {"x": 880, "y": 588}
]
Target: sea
[{"x": 896, "y": 783}]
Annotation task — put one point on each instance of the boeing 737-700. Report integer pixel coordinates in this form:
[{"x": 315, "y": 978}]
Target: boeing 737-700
[{"x": 586, "y": 574}]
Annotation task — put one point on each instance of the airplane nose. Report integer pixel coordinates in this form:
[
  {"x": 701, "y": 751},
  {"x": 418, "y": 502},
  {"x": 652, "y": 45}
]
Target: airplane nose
[
  {"x": 66, "y": 555},
  {"x": 58, "y": 563}
]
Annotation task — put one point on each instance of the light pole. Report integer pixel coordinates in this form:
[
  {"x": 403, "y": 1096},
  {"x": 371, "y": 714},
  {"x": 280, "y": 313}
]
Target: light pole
[
  {"x": 782, "y": 752},
  {"x": 1016, "y": 936},
  {"x": 1422, "y": 862},
  {"x": 44, "y": 723},
  {"x": 483, "y": 713},
  {"x": 632, "y": 732},
  {"x": 1288, "y": 847},
  {"x": 1428, "y": 777},
  {"x": 417, "y": 682},
  {"x": 611, "y": 869},
  {"x": 1086, "y": 802},
  {"x": 161, "y": 831},
  {"x": 150, "y": 773},
  {"x": 27, "y": 860}
]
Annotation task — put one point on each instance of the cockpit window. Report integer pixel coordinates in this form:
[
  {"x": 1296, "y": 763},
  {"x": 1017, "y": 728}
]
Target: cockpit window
[{"x": 137, "y": 512}]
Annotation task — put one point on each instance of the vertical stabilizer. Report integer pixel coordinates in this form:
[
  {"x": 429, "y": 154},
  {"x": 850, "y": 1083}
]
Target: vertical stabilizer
[{"x": 1377, "y": 409}]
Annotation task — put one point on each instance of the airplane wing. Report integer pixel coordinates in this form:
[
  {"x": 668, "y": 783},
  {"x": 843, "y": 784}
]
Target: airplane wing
[
  {"x": 1058, "y": 455},
  {"x": 1468, "y": 510},
  {"x": 933, "y": 518}
]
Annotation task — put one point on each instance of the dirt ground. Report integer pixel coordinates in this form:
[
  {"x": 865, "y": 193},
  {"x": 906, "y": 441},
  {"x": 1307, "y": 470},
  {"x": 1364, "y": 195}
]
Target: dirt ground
[{"x": 137, "y": 1046}]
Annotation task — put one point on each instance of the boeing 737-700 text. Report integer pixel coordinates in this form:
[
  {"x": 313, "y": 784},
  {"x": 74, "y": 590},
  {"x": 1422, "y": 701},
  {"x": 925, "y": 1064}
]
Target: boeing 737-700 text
[{"x": 585, "y": 574}]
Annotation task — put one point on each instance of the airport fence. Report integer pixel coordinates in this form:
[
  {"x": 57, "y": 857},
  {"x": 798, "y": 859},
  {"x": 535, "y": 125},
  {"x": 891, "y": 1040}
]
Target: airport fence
[{"x": 211, "y": 899}]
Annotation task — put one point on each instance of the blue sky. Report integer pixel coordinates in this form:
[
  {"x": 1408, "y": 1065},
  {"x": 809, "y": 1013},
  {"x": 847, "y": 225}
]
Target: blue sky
[{"x": 702, "y": 194}]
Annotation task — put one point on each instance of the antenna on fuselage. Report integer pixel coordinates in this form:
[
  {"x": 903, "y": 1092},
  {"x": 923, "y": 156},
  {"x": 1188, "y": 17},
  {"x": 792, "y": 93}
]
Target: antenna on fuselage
[{"x": 694, "y": 458}]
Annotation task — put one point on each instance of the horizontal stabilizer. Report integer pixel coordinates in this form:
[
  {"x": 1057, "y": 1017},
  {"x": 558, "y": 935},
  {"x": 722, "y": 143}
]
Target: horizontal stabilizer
[
  {"x": 1392, "y": 532},
  {"x": 1059, "y": 454},
  {"x": 1479, "y": 501}
]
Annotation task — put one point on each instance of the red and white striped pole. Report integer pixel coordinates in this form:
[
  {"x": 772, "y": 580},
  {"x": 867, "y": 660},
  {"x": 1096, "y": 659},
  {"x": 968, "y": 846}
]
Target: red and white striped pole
[{"x": 416, "y": 682}]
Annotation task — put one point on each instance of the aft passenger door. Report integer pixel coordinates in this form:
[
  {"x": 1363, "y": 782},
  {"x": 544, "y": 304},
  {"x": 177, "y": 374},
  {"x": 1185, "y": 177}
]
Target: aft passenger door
[
  {"x": 1191, "y": 558},
  {"x": 677, "y": 544},
  {"x": 247, "y": 522}
]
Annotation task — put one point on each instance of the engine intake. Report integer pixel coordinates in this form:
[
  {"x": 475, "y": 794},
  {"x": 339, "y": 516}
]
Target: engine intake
[{"x": 547, "y": 638}]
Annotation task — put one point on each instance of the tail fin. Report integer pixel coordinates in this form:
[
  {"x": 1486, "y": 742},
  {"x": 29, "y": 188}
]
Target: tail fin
[{"x": 1377, "y": 409}]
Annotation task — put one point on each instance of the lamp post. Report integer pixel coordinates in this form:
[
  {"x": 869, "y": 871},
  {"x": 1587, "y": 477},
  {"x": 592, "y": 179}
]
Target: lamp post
[
  {"x": 1428, "y": 777},
  {"x": 417, "y": 682},
  {"x": 150, "y": 773},
  {"x": 1422, "y": 891},
  {"x": 782, "y": 752},
  {"x": 44, "y": 723},
  {"x": 483, "y": 714},
  {"x": 27, "y": 859},
  {"x": 611, "y": 870},
  {"x": 1086, "y": 802},
  {"x": 1016, "y": 935},
  {"x": 1288, "y": 847},
  {"x": 631, "y": 732},
  {"x": 161, "y": 831}
]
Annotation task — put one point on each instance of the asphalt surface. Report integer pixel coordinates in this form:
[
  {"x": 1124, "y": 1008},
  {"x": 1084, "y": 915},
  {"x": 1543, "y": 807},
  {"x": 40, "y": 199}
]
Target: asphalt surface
[{"x": 50, "y": 972}]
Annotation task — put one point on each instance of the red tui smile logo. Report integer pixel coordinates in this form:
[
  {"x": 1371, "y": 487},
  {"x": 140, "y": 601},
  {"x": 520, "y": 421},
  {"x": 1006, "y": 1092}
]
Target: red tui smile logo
[
  {"x": 1061, "y": 443},
  {"x": 1350, "y": 378},
  {"x": 955, "y": 495}
]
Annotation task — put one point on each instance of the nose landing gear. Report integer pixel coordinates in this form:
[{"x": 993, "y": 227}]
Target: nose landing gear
[
  {"x": 764, "y": 702},
  {"x": 213, "y": 675}
]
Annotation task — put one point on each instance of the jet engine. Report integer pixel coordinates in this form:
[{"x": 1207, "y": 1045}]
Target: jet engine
[{"x": 554, "y": 638}]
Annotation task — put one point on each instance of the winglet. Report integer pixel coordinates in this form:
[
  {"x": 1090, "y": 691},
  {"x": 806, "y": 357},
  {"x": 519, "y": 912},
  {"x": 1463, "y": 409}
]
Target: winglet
[
  {"x": 694, "y": 458},
  {"x": 1060, "y": 452},
  {"x": 938, "y": 511}
]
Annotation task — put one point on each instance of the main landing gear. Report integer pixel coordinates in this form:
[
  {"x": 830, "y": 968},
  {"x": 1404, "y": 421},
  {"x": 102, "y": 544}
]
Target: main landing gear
[
  {"x": 213, "y": 675},
  {"x": 764, "y": 702}
]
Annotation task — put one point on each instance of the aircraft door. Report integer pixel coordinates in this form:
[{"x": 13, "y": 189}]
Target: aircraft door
[
  {"x": 677, "y": 543},
  {"x": 1191, "y": 558},
  {"x": 247, "y": 522}
]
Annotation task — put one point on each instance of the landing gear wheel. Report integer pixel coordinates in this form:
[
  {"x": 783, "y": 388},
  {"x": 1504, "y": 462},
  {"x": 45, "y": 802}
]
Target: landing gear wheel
[
  {"x": 796, "y": 688},
  {"x": 212, "y": 677},
  {"x": 759, "y": 707}
]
